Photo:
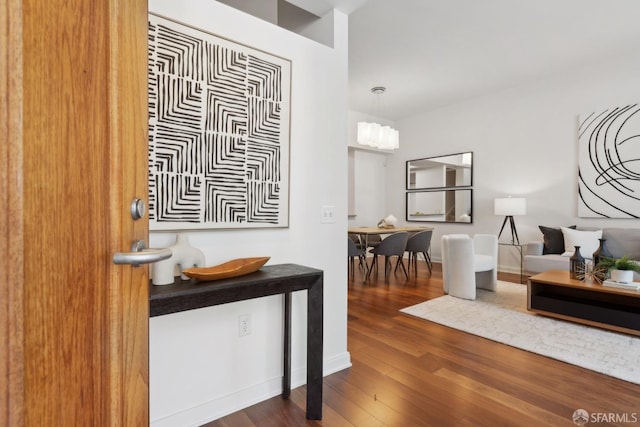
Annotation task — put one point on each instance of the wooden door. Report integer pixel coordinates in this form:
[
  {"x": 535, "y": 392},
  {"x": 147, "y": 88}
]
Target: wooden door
[{"x": 74, "y": 326}]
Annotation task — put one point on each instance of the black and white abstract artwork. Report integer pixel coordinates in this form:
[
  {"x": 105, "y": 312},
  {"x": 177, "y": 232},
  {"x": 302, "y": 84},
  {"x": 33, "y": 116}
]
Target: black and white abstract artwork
[
  {"x": 609, "y": 163},
  {"x": 219, "y": 116}
]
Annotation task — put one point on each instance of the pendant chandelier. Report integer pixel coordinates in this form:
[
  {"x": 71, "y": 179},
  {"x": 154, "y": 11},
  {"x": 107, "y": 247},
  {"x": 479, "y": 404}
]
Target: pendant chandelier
[{"x": 376, "y": 135}]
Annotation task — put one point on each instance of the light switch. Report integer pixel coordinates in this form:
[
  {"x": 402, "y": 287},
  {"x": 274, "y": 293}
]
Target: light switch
[{"x": 327, "y": 214}]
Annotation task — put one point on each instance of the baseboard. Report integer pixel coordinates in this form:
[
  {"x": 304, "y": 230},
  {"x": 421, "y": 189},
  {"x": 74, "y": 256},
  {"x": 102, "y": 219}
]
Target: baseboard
[
  {"x": 509, "y": 269},
  {"x": 335, "y": 364},
  {"x": 218, "y": 408}
]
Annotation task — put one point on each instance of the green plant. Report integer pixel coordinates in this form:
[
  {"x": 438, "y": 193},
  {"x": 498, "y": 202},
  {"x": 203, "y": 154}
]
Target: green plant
[{"x": 623, "y": 263}]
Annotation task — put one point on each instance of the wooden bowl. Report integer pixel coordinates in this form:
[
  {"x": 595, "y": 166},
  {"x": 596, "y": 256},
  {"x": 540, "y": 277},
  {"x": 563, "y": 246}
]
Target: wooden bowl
[{"x": 233, "y": 268}]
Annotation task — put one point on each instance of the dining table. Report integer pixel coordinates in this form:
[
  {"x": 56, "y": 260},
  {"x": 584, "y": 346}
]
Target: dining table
[{"x": 369, "y": 231}]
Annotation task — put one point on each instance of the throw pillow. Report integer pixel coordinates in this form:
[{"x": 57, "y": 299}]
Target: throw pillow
[
  {"x": 587, "y": 240},
  {"x": 553, "y": 240}
]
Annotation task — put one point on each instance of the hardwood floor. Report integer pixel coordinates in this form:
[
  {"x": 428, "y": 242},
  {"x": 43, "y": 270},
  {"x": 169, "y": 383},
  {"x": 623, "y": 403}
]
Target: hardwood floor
[{"x": 411, "y": 372}]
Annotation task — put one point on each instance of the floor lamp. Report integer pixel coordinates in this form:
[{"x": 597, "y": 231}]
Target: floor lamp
[{"x": 510, "y": 207}]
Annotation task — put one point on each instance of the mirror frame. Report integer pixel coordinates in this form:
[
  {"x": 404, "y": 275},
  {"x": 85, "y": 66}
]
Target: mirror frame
[
  {"x": 441, "y": 159},
  {"x": 434, "y": 217}
]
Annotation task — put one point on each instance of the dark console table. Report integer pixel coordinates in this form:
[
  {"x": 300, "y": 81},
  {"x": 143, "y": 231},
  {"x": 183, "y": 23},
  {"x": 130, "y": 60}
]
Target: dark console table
[{"x": 269, "y": 280}]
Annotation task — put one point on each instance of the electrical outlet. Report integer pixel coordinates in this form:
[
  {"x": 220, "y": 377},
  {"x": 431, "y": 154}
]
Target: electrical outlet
[
  {"x": 244, "y": 325},
  {"x": 327, "y": 215}
]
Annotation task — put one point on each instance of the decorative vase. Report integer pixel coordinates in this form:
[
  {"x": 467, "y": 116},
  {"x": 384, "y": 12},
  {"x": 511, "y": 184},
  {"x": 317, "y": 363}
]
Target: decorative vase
[
  {"x": 577, "y": 265},
  {"x": 391, "y": 220},
  {"x": 622, "y": 276},
  {"x": 183, "y": 256},
  {"x": 601, "y": 252}
]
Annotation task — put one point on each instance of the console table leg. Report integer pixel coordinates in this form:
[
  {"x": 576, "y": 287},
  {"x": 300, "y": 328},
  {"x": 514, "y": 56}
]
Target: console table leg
[
  {"x": 286, "y": 378},
  {"x": 314, "y": 350}
]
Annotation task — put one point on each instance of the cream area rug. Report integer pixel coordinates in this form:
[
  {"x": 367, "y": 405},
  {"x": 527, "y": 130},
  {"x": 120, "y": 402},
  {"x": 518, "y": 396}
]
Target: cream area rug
[{"x": 502, "y": 316}]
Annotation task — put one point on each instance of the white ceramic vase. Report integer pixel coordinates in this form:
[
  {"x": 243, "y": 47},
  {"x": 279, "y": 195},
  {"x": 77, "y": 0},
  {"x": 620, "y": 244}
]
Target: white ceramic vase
[
  {"x": 391, "y": 220},
  {"x": 184, "y": 256}
]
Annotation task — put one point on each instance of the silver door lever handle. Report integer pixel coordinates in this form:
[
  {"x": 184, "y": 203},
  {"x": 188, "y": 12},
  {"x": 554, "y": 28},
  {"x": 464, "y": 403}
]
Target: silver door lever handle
[{"x": 140, "y": 254}]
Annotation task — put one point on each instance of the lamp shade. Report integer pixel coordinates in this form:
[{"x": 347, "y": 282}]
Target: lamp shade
[
  {"x": 510, "y": 206},
  {"x": 377, "y": 136}
]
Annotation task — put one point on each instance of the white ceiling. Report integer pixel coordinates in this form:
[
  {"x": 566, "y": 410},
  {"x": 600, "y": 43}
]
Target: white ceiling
[
  {"x": 320, "y": 7},
  {"x": 431, "y": 53}
]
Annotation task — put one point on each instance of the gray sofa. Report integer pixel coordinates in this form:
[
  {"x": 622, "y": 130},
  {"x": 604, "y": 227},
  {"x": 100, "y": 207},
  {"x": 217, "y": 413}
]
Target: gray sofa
[{"x": 539, "y": 256}]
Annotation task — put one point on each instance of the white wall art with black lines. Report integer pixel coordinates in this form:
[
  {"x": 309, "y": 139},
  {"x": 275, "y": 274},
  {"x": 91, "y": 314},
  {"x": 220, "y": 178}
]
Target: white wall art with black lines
[
  {"x": 219, "y": 116},
  {"x": 609, "y": 163}
]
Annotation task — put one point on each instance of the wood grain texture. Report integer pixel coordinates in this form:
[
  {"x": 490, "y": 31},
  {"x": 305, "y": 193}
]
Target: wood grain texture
[
  {"x": 11, "y": 218},
  {"x": 235, "y": 267},
  {"x": 65, "y": 179},
  {"x": 408, "y": 371},
  {"x": 55, "y": 139},
  {"x": 128, "y": 297},
  {"x": 83, "y": 142}
]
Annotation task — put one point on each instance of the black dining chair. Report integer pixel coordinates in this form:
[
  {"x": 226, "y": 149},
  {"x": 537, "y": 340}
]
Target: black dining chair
[
  {"x": 372, "y": 241},
  {"x": 353, "y": 252},
  {"x": 366, "y": 241},
  {"x": 357, "y": 240},
  {"x": 390, "y": 246},
  {"x": 419, "y": 243}
]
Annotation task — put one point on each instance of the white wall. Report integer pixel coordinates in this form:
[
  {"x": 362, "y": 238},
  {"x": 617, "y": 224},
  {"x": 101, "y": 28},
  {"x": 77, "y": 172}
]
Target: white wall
[
  {"x": 369, "y": 176},
  {"x": 199, "y": 368},
  {"x": 525, "y": 144}
]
